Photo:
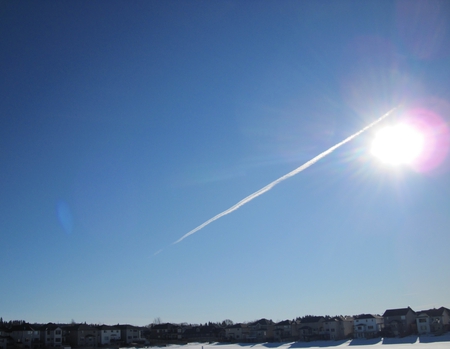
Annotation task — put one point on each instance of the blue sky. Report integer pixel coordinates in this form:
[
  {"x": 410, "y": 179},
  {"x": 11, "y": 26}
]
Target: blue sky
[{"x": 124, "y": 125}]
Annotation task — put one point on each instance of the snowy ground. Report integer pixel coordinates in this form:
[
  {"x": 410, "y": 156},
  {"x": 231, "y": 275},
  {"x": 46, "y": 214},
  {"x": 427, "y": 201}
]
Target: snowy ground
[{"x": 412, "y": 342}]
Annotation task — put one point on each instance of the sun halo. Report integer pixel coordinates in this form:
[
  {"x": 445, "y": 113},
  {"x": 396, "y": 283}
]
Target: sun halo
[{"x": 398, "y": 144}]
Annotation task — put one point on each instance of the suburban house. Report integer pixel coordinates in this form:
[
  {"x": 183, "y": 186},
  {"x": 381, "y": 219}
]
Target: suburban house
[
  {"x": 25, "y": 335},
  {"x": 6, "y": 340},
  {"x": 282, "y": 331},
  {"x": 108, "y": 334},
  {"x": 236, "y": 333},
  {"x": 166, "y": 331},
  {"x": 51, "y": 335},
  {"x": 433, "y": 321},
  {"x": 260, "y": 331},
  {"x": 399, "y": 322},
  {"x": 130, "y": 334},
  {"x": 310, "y": 328},
  {"x": 206, "y": 333},
  {"x": 81, "y": 335},
  {"x": 367, "y": 325},
  {"x": 338, "y": 327}
]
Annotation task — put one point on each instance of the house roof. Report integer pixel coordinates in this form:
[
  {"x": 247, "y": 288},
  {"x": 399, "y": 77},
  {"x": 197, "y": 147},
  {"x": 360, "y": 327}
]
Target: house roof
[
  {"x": 50, "y": 327},
  {"x": 311, "y": 319},
  {"x": 235, "y": 326},
  {"x": 434, "y": 311},
  {"x": 284, "y": 323},
  {"x": 397, "y": 312},
  {"x": 107, "y": 327},
  {"x": 23, "y": 327},
  {"x": 162, "y": 326},
  {"x": 261, "y": 322},
  {"x": 366, "y": 316}
]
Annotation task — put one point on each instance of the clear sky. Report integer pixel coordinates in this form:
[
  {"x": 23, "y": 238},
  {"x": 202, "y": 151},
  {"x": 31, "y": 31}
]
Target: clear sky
[{"x": 125, "y": 124}]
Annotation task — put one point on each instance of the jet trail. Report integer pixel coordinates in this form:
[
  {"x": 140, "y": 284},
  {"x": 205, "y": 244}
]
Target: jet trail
[{"x": 286, "y": 176}]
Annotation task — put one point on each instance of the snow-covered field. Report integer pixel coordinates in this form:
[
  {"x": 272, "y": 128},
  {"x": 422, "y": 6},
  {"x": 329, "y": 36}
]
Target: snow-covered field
[{"x": 412, "y": 342}]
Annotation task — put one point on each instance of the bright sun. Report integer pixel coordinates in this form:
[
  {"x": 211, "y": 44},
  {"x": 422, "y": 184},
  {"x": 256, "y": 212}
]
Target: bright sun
[{"x": 399, "y": 144}]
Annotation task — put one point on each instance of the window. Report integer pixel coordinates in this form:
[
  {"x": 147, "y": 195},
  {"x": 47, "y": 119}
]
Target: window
[
  {"x": 422, "y": 320},
  {"x": 57, "y": 339},
  {"x": 332, "y": 330},
  {"x": 58, "y": 332},
  {"x": 370, "y": 327}
]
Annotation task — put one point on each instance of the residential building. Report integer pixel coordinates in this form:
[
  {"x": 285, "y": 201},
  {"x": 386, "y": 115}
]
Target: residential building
[
  {"x": 235, "y": 333},
  {"x": 399, "y": 322},
  {"x": 80, "y": 335},
  {"x": 338, "y": 327},
  {"x": 282, "y": 331},
  {"x": 6, "y": 340},
  {"x": 367, "y": 325},
  {"x": 51, "y": 335},
  {"x": 310, "y": 328},
  {"x": 204, "y": 333},
  {"x": 433, "y": 321},
  {"x": 130, "y": 334},
  {"x": 25, "y": 335},
  {"x": 260, "y": 331},
  {"x": 108, "y": 334},
  {"x": 166, "y": 332}
]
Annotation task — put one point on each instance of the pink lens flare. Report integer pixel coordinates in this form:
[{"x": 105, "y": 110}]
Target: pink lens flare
[{"x": 436, "y": 136}]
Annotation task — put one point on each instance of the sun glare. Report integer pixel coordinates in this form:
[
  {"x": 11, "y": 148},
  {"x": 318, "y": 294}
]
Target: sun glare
[{"x": 399, "y": 144}]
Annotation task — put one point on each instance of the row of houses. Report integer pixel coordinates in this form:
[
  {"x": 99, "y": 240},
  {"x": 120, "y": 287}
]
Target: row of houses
[
  {"x": 27, "y": 336},
  {"x": 393, "y": 323}
]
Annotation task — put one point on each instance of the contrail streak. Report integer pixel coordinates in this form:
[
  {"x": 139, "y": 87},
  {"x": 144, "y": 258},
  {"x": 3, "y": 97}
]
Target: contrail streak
[{"x": 286, "y": 176}]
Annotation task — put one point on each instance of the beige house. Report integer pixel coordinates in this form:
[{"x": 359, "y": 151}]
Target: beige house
[
  {"x": 399, "y": 322},
  {"x": 260, "y": 331},
  {"x": 338, "y": 327},
  {"x": 236, "y": 333}
]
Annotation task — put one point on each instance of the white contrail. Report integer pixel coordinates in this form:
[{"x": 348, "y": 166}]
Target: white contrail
[{"x": 286, "y": 176}]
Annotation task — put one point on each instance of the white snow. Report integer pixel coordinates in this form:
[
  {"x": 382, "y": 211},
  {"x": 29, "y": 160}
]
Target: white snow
[{"x": 411, "y": 342}]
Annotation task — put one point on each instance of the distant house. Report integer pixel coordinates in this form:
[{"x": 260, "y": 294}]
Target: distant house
[
  {"x": 235, "y": 333},
  {"x": 367, "y": 326},
  {"x": 311, "y": 328},
  {"x": 260, "y": 331},
  {"x": 206, "y": 333},
  {"x": 433, "y": 321},
  {"x": 282, "y": 331},
  {"x": 25, "y": 335},
  {"x": 399, "y": 322},
  {"x": 130, "y": 334},
  {"x": 51, "y": 335},
  {"x": 166, "y": 332},
  {"x": 6, "y": 341},
  {"x": 338, "y": 327},
  {"x": 108, "y": 334},
  {"x": 81, "y": 335}
]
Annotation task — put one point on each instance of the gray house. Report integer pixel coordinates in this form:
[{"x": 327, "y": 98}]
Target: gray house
[
  {"x": 433, "y": 321},
  {"x": 51, "y": 335},
  {"x": 81, "y": 335},
  {"x": 399, "y": 322}
]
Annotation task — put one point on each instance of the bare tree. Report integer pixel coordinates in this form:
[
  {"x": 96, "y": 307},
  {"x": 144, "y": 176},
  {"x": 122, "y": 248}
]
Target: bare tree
[{"x": 227, "y": 322}]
